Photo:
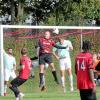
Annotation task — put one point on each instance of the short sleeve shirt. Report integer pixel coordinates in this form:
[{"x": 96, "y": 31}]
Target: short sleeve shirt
[
  {"x": 63, "y": 52},
  {"x": 84, "y": 62}
]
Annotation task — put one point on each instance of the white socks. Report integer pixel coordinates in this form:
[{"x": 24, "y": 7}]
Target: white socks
[
  {"x": 63, "y": 84},
  {"x": 63, "y": 81},
  {"x": 71, "y": 82}
]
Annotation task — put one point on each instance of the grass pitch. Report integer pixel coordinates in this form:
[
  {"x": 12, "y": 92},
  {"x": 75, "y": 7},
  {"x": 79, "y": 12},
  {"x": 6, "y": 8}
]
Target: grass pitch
[
  {"x": 53, "y": 91},
  {"x": 49, "y": 96}
]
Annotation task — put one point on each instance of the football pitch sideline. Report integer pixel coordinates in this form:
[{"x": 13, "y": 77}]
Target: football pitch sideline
[{"x": 49, "y": 96}]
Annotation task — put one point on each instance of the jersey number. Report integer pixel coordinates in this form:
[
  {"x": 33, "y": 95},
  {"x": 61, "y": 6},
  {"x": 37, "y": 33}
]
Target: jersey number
[{"x": 81, "y": 65}]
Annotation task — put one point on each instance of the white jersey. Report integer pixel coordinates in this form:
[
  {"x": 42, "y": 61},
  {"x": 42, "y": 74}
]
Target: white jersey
[
  {"x": 63, "y": 52},
  {"x": 64, "y": 55},
  {"x": 9, "y": 61}
]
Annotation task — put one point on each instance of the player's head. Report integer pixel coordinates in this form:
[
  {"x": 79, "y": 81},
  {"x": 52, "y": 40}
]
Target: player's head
[
  {"x": 10, "y": 51},
  {"x": 61, "y": 40},
  {"x": 86, "y": 46},
  {"x": 94, "y": 56},
  {"x": 47, "y": 34},
  {"x": 23, "y": 51}
]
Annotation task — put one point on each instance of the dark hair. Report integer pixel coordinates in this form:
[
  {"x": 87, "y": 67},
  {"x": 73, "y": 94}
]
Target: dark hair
[
  {"x": 9, "y": 48},
  {"x": 23, "y": 51},
  {"x": 86, "y": 46}
]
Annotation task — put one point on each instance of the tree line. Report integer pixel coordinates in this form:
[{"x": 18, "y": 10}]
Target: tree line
[{"x": 53, "y": 12}]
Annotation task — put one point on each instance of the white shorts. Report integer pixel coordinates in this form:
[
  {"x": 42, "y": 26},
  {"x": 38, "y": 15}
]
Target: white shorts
[
  {"x": 8, "y": 74},
  {"x": 65, "y": 63}
]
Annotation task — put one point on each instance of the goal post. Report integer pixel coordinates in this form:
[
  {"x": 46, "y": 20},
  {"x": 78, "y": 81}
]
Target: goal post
[
  {"x": 11, "y": 35},
  {"x": 1, "y": 63}
]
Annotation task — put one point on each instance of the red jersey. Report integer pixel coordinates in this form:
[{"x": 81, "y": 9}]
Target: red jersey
[
  {"x": 25, "y": 72},
  {"x": 84, "y": 62},
  {"x": 46, "y": 45}
]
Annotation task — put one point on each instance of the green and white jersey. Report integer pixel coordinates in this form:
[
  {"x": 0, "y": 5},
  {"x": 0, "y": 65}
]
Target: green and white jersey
[{"x": 63, "y": 52}]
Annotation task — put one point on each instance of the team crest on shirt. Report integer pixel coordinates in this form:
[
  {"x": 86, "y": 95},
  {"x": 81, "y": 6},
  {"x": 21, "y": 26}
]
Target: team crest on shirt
[{"x": 46, "y": 43}]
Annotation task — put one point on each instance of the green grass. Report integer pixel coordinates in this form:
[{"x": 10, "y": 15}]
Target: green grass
[
  {"x": 53, "y": 91},
  {"x": 49, "y": 96},
  {"x": 46, "y": 96}
]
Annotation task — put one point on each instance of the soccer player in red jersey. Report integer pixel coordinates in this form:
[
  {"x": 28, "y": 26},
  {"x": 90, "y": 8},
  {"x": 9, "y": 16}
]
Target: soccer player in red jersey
[
  {"x": 84, "y": 73},
  {"x": 45, "y": 56},
  {"x": 24, "y": 73}
]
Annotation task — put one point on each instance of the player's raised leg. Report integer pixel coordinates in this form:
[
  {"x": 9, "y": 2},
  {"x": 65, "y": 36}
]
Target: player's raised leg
[
  {"x": 41, "y": 72},
  {"x": 14, "y": 87},
  {"x": 54, "y": 72}
]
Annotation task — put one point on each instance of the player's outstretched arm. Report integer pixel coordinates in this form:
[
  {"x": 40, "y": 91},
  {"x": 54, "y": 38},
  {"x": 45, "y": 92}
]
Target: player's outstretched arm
[
  {"x": 71, "y": 48},
  {"x": 60, "y": 47},
  {"x": 4, "y": 52}
]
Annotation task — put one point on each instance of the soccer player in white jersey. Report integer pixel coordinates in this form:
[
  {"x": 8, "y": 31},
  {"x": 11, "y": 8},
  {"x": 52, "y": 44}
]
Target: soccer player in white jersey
[
  {"x": 63, "y": 55},
  {"x": 9, "y": 68}
]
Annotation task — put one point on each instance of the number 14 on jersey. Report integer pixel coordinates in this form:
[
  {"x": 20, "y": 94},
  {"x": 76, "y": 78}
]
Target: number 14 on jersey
[{"x": 81, "y": 65}]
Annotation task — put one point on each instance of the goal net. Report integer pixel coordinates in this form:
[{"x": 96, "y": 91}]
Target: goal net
[{"x": 17, "y": 37}]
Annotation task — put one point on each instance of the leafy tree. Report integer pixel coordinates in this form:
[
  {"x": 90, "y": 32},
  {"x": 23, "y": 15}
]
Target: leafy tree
[
  {"x": 12, "y": 12},
  {"x": 62, "y": 12},
  {"x": 78, "y": 10},
  {"x": 20, "y": 8}
]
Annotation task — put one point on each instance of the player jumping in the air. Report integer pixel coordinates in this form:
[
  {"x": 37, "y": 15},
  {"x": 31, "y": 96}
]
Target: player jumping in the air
[
  {"x": 45, "y": 56},
  {"x": 63, "y": 55}
]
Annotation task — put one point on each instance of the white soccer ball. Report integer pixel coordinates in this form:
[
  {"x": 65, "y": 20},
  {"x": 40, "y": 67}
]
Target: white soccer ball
[{"x": 56, "y": 31}]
